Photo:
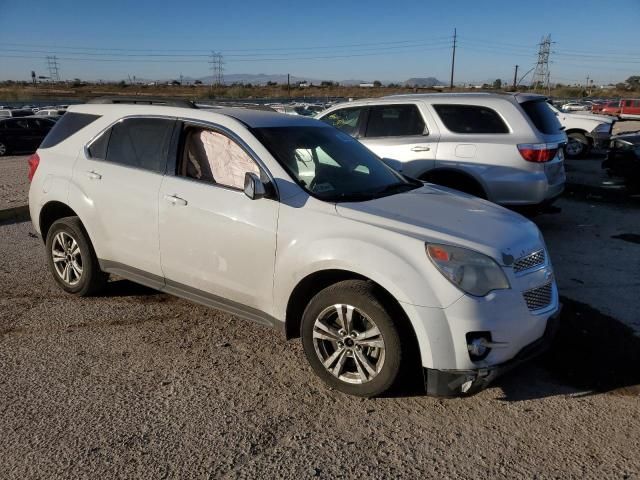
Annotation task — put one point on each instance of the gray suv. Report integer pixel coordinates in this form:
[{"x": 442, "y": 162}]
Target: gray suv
[{"x": 506, "y": 148}]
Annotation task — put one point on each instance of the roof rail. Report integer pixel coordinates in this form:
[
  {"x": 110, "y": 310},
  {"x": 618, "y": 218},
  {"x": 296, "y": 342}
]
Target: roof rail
[{"x": 166, "y": 102}]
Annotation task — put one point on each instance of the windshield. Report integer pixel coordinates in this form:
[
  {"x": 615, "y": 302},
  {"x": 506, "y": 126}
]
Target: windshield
[{"x": 331, "y": 165}]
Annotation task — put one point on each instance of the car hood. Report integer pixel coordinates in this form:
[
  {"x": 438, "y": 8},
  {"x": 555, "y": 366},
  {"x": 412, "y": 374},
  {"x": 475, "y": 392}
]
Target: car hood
[
  {"x": 440, "y": 215},
  {"x": 590, "y": 116}
]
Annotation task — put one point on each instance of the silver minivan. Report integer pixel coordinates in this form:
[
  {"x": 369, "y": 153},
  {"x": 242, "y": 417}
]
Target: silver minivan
[{"x": 506, "y": 148}]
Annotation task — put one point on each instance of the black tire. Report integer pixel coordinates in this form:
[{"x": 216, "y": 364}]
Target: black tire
[
  {"x": 4, "y": 150},
  {"x": 576, "y": 140},
  {"x": 91, "y": 278},
  {"x": 359, "y": 294}
]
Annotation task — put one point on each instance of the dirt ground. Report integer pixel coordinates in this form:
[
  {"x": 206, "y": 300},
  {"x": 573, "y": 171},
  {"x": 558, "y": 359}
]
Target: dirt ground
[{"x": 138, "y": 384}]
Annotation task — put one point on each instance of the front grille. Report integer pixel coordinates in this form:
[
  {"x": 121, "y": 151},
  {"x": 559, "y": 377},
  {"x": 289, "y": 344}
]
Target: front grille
[
  {"x": 530, "y": 261},
  {"x": 539, "y": 298}
]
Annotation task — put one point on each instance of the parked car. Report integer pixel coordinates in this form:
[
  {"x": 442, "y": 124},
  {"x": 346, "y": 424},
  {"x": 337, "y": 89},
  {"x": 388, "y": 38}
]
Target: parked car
[
  {"x": 611, "y": 108},
  {"x": 623, "y": 158},
  {"x": 51, "y": 112},
  {"x": 291, "y": 223},
  {"x": 15, "y": 112},
  {"x": 503, "y": 147},
  {"x": 584, "y": 132},
  {"x": 575, "y": 107},
  {"x": 629, "y": 109},
  {"x": 23, "y": 134}
]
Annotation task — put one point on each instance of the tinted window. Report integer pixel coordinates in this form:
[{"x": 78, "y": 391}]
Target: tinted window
[
  {"x": 212, "y": 157},
  {"x": 98, "y": 148},
  {"x": 67, "y": 126},
  {"x": 346, "y": 119},
  {"x": 394, "y": 121},
  {"x": 141, "y": 143},
  {"x": 542, "y": 116},
  {"x": 471, "y": 119}
]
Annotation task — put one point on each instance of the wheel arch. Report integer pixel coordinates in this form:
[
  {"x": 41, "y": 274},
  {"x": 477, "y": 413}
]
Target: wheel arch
[
  {"x": 315, "y": 282},
  {"x": 50, "y": 212},
  {"x": 580, "y": 131},
  {"x": 448, "y": 173}
]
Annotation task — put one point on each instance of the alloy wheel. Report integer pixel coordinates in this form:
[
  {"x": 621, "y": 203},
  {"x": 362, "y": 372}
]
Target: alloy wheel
[
  {"x": 574, "y": 147},
  {"x": 67, "y": 258},
  {"x": 349, "y": 344}
]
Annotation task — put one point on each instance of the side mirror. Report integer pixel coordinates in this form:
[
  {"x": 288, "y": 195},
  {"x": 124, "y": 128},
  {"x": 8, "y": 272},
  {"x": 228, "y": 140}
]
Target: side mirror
[
  {"x": 253, "y": 186},
  {"x": 394, "y": 164}
]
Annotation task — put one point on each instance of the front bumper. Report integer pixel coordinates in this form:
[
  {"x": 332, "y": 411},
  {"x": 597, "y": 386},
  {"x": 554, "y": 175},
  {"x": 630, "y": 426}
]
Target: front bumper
[
  {"x": 600, "y": 139},
  {"x": 450, "y": 383}
]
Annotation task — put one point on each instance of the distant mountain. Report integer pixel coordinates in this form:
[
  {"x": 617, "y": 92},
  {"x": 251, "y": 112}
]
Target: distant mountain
[
  {"x": 423, "y": 82},
  {"x": 259, "y": 79}
]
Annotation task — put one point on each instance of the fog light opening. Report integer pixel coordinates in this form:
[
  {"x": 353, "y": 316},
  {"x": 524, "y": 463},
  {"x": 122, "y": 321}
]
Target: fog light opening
[{"x": 477, "y": 345}]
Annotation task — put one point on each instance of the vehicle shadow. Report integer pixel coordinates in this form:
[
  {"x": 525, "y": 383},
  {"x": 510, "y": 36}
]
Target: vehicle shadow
[
  {"x": 126, "y": 288},
  {"x": 591, "y": 353}
]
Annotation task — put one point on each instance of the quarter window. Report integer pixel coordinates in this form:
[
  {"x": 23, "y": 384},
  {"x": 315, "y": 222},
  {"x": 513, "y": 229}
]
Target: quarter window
[
  {"x": 394, "y": 121},
  {"x": 346, "y": 119},
  {"x": 213, "y": 157},
  {"x": 470, "y": 119}
]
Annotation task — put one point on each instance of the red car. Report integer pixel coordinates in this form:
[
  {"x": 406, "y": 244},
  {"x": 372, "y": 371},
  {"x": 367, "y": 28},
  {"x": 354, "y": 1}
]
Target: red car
[
  {"x": 629, "y": 109},
  {"x": 611, "y": 108}
]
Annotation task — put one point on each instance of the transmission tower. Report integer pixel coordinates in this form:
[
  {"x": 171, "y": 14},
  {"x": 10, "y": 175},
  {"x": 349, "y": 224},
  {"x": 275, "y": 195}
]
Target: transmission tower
[
  {"x": 542, "y": 74},
  {"x": 54, "y": 69},
  {"x": 217, "y": 68}
]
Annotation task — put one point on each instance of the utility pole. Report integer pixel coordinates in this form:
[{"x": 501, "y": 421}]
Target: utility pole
[
  {"x": 216, "y": 69},
  {"x": 587, "y": 88},
  {"x": 542, "y": 74},
  {"x": 453, "y": 57},
  {"x": 289, "y": 85},
  {"x": 54, "y": 69},
  {"x": 515, "y": 78}
]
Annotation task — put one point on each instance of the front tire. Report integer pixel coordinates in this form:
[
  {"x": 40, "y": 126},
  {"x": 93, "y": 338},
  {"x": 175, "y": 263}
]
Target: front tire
[
  {"x": 577, "y": 147},
  {"x": 3, "y": 149},
  {"x": 71, "y": 258},
  {"x": 350, "y": 339}
]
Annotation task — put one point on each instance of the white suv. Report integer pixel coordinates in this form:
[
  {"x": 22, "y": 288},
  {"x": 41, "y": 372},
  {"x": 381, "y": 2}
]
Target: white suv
[
  {"x": 291, "y": 223},
  {"x": 506, "y": 148}
]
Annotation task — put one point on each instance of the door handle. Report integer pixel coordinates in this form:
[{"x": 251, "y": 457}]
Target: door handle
[
  {"x": 93, "y": 175},
  {"x": 175, "y": 200},
  {"x": 420, "y": 149}
]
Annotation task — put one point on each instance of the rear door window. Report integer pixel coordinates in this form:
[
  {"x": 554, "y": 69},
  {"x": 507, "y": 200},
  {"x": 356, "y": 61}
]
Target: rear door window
[
  {"x": 542, "y": 116},
  {"x": 346, "y": 119},
  {"x": 394, "y": 121},
  {"x": 471, "y": 119},
  {"x": 140, "y": 143}
]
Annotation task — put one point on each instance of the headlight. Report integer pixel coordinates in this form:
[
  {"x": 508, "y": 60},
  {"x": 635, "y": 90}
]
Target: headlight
[
  {"x": 602, "y": 128},
  {"x": 470, "y": 271}
]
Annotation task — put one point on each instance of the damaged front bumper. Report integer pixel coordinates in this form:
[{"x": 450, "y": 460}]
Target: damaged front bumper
[{"x": 451, "y": 383}]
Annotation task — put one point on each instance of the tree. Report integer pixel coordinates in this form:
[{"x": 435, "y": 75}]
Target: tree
[
  {"x": 198, "y": 82},
  {"x": 497, "y": 84},
  {"x": 634, "y": 81},
  {"x": 377, "y": 83}
]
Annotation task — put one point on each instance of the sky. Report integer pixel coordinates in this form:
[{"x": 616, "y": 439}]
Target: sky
[{"x": 324, "y": 40}]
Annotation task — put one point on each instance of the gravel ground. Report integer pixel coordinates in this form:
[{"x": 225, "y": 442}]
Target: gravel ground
[
  {"x": 14, "y": 185},
  {"x": 140, "y": 384}
]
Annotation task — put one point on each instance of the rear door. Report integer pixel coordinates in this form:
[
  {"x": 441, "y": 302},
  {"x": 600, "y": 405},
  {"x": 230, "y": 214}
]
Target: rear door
[{"x": 120, "y": 174}]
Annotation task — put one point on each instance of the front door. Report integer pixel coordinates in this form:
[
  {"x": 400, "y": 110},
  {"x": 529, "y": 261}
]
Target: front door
[
  {"x": 400, "y": 132},
  {"x": 215, "y": 242}
]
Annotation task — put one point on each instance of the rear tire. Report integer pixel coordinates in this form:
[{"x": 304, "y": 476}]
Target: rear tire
[
  {"x": 71, "y": 258},
  {"x": 577, "y": 147},
  {"x": 350, "y": 339}
]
